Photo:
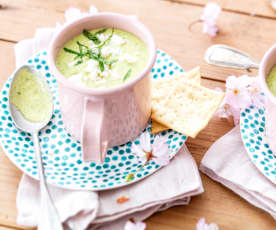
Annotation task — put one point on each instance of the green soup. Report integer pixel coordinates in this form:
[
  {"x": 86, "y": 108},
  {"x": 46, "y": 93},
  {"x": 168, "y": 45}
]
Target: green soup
[
  {"x": 271, "y": 80},
  {"x": 31, "y": 96},
  {"x": 102, "y": 58}
]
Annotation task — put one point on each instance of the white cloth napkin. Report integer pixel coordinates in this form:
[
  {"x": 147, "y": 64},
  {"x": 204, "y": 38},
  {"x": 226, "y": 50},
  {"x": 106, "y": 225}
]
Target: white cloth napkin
[
  {"x": 170, "y": 186},
  {"x": 228, "y": 163}
]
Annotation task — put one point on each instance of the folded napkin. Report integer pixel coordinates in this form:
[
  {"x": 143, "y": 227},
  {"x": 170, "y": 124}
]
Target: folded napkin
[
  {"x": 170, "y": 186},
  {"x": 228, "y": 163}
]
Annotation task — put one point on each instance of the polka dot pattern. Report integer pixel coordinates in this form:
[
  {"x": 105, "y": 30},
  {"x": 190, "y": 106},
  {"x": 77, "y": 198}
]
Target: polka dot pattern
[
  {"x": 62, "y": 155},
  {"x": 252, "y": 127}
]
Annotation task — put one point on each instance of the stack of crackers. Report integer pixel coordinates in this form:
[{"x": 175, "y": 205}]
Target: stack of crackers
[{"x": 182, "y": 104}]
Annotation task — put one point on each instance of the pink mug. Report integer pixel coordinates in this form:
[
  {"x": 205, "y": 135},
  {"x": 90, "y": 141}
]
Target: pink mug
[
  {"x": 267, "y": 63},
  {"x": 106, "y": 117}
]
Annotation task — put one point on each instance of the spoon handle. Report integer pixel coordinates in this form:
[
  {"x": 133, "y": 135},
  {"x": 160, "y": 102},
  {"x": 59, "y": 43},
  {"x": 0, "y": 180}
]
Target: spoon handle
[
  {"x": 49, "y": 218},
  {"x": 226, "y": 56}
]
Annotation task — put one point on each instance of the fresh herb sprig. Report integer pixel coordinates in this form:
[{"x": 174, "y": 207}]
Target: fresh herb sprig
[
  {"x": 91, "y": 36},
  {"x": 127, "y": 75},
  {"x": 85, "y": 51}
]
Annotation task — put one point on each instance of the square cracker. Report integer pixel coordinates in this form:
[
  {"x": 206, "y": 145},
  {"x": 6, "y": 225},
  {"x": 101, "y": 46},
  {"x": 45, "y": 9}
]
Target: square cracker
[
  {"x": 194, "y": 76},
  {"x": 184, "y": 106}
]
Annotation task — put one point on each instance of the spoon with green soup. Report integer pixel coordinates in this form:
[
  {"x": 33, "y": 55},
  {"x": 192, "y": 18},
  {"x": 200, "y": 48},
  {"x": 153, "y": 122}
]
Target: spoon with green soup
[{"x": 31, "y": 107}]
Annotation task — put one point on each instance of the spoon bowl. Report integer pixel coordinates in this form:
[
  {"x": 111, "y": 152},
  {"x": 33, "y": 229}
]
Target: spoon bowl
[{"x": 19, "y": 120}]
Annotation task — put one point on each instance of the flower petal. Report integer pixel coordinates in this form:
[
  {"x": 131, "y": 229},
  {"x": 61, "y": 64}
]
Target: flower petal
[
  {"x": 201, "y": 224},
  {"x": 145, "y": 141},
  {"x": 136, "y": 149},
  {"x": 93, "y": 9},
  {"x": 162, "y": 160},
  {"x": 135, "y": 226}
]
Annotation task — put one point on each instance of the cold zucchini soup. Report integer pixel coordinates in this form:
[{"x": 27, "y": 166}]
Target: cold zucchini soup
[{"x": 102, "y": 58}]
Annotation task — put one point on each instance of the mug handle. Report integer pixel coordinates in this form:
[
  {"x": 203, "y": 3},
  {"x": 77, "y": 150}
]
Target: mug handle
[{"x": 94, "y": 144}]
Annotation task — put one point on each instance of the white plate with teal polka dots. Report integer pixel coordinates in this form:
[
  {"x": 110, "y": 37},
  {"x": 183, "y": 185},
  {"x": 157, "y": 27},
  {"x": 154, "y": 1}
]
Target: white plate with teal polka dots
[
  {"x": 62, "y": 155},
  {"x": 252, "y": 127}
]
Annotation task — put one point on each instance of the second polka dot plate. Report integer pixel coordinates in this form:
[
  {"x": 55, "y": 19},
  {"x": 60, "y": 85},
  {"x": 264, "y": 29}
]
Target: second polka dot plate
[
  {"x": 62, "y": 156},
  {"x": 252, "y": 126}
]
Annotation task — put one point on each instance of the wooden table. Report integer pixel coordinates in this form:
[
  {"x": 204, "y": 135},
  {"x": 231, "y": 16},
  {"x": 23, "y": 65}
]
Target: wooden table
[{"x": 246, "y": 24}]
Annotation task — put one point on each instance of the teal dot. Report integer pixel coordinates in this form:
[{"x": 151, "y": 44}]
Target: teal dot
[
  {"x": 115, "y": 148},
  {"x": 171, "y": 72},
  {"x": 114, "y": 158},
  {"x": 98, "y": 167},
  {"x": 261, "y": 111},
  {"x": 113, "y": 167},
  {"x": 128, "y": 150},
  {"x": 155, "y": 76},
  {"x": 107, "y": 159},
  {"x": 38, "y": 66},
  {"x": 48, "y": 131},
  {"x": 121, "y": 152},
  {"x": 130, "y": 157},
  {"x": 123, "y": 158},
  {"x": 36, "y": 60},
  {"x": 48, "y": 75},
  {"x": 252, "y": 150}
]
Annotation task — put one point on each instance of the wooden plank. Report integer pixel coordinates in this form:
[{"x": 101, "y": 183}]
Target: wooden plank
[
  {"x": 257, "y": 8},
  {"x": 175, "y": 37},
  {"x": 6, "y": 228}
]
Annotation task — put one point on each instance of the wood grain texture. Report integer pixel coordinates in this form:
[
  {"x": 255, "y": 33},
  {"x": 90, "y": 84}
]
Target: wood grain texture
[
  {"x": 258, "y": 8},
  {"x": 169, "y": 22},
  {"x": 6, "y": 228},
  {"x": 240, "y": 31}
]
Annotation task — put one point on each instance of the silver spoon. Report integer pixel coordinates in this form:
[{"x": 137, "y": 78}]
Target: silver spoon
[
  {"x": 226, "y": 56},
  {"x": 49, "y": 218}
]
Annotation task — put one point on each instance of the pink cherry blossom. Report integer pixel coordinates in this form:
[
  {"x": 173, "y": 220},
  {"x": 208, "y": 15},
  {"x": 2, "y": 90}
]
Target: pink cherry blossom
[
  {"x": 237, "y": 95},
  {"x": 224, "y": 110},
  {"x": 209, "y": 17},
  {"x": 73, "y": 14},
  {"x": 202, "y": 225},
  {"x": 257, "y": 99},
  {"x": 158, "y": 151},
  {"x": 273, "y": 4},
  {"x": 240, "y": 93},
  {"x": 135, "y": 226}
]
